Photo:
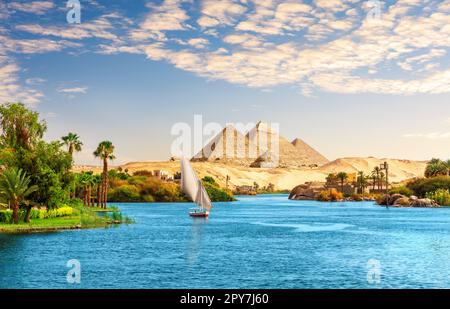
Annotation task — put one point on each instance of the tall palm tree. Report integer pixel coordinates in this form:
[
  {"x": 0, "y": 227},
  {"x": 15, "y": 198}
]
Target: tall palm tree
[
  {"x": 342, "y": 176},
  {"x": 73, "y": 143},
  {"x": 376, "y": 175},
  {"x": 361, "y": 181},
  {"x": 15, "y": 187},
  {"x": 105, "y": 152}
]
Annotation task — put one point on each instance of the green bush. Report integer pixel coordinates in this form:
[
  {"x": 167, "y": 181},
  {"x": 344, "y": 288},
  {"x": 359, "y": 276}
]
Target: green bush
[
  {"x": 402, "y": 190},
  {"x": 441, "y": 196},
  {"x": 126, "y": 193},
  {"x": 6, "y": 216},
  {"x": 65, "y": 211},
  {"x": 217, "y": 194},
  {"x": 425, "y": 185}
]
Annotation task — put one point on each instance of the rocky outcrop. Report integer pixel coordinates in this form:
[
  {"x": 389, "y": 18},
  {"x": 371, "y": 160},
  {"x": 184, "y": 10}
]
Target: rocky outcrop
[
  {"x": 398, "y": 200},
  {"x": 307, "y": 191}
]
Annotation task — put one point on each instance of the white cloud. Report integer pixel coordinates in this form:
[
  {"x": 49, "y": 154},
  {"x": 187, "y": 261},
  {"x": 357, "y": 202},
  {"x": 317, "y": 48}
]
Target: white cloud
[
  {"x": 73, "y": 90},
  {"x": 35, "y": 81},
  {"x": 34, "y": 7}
]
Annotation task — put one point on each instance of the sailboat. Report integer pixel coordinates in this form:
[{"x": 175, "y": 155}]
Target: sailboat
[{"x": 194, "y": 189}]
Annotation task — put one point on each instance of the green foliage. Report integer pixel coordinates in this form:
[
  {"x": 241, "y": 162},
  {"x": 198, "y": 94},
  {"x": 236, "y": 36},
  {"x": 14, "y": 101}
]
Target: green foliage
[
  {"x": 401, "y": 190},
  {"x": 330, "y": 196},
  {"x": 216, "y": 194},
  {"x": 65, "y": 211},
  {"x": 422, "y": 186},
  {"x": 208, "y": 179},
  {"x": 126, "y": 193},
  {"x": 441, "y": 196},
  {"x": 437, "y": 167}
]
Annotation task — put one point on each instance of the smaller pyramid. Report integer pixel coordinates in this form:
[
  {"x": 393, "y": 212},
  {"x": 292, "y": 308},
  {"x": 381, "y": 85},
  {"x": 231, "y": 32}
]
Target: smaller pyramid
[{"x": 314, "y": 156}]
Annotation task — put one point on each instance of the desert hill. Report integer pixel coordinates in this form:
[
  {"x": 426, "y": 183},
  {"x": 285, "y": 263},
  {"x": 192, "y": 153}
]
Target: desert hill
[{"x": 282, "y": 178}]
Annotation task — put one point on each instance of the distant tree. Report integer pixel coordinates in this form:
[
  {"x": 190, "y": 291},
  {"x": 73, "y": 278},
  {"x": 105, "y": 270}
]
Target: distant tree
[
  {"x": 73, "y": 143},
  {"x": 342, "y": 176}
]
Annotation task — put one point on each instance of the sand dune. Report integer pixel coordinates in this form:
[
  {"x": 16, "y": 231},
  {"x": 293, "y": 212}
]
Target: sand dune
[{"x": 282, "y": 178}]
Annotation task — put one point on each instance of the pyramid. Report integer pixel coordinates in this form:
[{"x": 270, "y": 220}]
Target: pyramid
[
  {"x": 229, "y": 146},
  {"x": 255, "y": 149},
  {"x": 295, "y": 154},
  {"x": 314, "y": 156}
]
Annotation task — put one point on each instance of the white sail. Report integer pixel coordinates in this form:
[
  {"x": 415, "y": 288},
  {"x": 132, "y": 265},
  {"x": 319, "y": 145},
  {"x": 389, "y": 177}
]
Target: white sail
[
  {"x": 189, "y": 180},
  {"x": 192, "y": 186},
  {"x": 202, "y": 198}
]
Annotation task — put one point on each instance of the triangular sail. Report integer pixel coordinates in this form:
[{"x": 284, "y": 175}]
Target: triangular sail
[
  {"x": 189, "y": 180},
  {"x": 202, "y": 198},
  {"x": 192, "y": 186}
]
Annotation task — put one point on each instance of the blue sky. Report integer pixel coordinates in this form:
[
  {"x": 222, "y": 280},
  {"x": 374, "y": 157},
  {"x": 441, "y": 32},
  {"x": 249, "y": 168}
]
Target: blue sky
[{"x": 350, "y": 77}]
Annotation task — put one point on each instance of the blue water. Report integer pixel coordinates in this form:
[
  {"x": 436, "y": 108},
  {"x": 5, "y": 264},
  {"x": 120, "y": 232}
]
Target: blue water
[{"x": 257, "y": 242}]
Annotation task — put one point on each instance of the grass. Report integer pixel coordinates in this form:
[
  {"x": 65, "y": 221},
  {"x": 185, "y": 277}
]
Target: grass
[
  {"x": 83, "y": 218},
  {"x": 43, "y": 225}
]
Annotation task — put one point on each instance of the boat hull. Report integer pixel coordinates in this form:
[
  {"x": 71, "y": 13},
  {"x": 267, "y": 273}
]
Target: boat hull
[{"x": 199, "y": 214}]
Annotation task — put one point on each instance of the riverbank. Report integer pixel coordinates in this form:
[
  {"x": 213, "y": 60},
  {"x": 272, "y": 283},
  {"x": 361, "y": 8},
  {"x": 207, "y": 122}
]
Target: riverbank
[{"x": 83, "y": 218}]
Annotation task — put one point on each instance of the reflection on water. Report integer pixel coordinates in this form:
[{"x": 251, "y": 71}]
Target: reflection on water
[{"x": 193, "y": 250}]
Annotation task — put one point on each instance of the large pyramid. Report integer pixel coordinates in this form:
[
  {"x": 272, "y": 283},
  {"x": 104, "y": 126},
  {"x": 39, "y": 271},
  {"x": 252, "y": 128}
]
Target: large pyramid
[
  {"x": 229, "y": 146},
  {"x": 259, "y": 149}
]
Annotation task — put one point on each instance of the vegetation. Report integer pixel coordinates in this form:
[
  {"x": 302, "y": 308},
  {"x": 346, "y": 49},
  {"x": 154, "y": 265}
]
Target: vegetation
[
  {"x": 37, "y": 188},
  {"x": 437, "y": 167},
  {"x": 105, "y": 152},
  {"x": 402, "y": 190},
  {"x": 441, "y": 196},
  {"x": 331, "y": 195},
  {"x": 422, "y": 186},
  {"x": 144, "y": 187}
]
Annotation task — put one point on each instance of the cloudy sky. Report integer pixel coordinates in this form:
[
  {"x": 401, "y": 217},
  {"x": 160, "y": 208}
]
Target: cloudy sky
[{"x": 350, "y": 77}]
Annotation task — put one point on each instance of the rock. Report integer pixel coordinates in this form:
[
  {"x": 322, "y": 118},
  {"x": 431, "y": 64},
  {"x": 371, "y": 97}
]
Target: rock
[
  {"x": 425, "y": 202},
  {"x": 383, "y": 200},
  {"x": 307, "y": 191},
  {"x": 402, "y": 202},
  {"x": 394, "y": 197},
  {"x": 413, "y": 198}
]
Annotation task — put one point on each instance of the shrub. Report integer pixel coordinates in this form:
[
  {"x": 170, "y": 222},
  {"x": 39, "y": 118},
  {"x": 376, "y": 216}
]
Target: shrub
[
  {"x": 217, "y": 194},
  {"x": 6, "y": 216},
  {"x": 424, "y": 185},
  {"x": 441, "y": 196},
  {"x": 126, "y": 193},
  {"x": 402, "y": 190},
  {"x": 330, "y": 196}
]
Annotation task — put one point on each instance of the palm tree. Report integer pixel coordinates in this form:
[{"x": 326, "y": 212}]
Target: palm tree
[
  {"x": 105, "y": 152},
  {"x": 380, "y": 180},
  {"x": 436, "y": 167},
  {"x": 376, "y": 175},
  {"x": 87, "y": 180},
  {"x": 342, "y": 176},
  {"x": 98, "y": 182},
  {"x": 73, "y": 143},
  {"x": 361, "y": 181},
  {"x": 15, "y": 187}
]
